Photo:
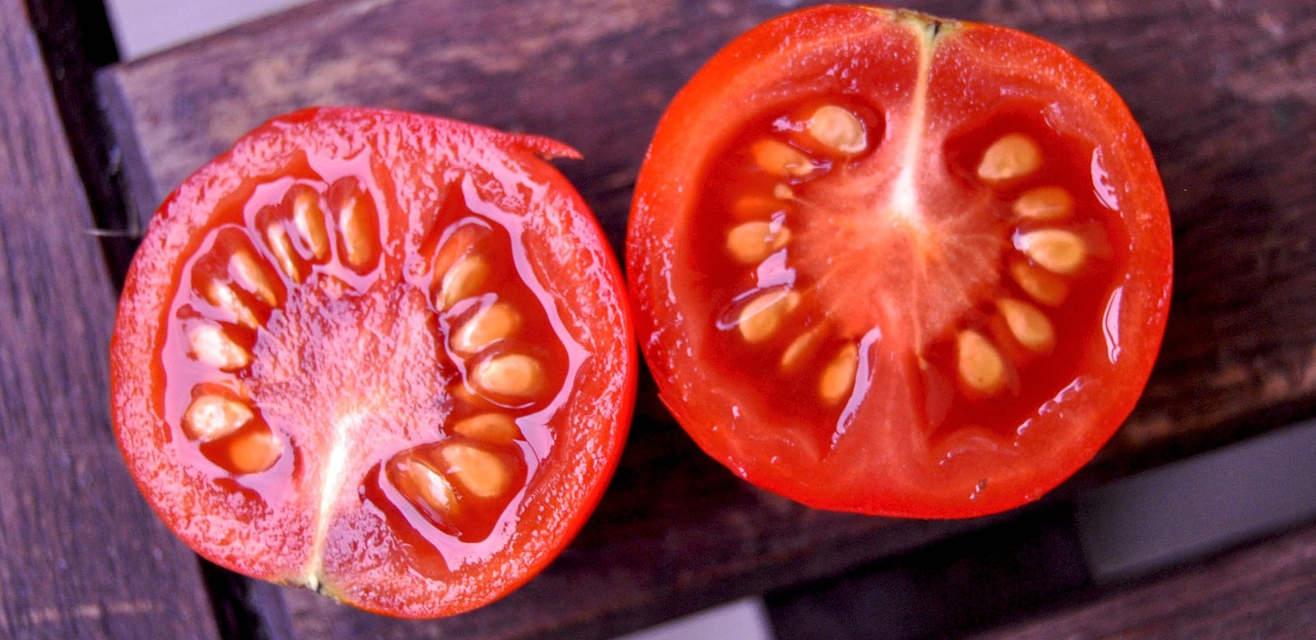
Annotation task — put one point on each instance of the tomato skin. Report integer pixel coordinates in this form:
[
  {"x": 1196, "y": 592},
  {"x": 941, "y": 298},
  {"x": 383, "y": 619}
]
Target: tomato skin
[
  {"x": 887, "y": 468},
  {"x": 562, "y": 239}
]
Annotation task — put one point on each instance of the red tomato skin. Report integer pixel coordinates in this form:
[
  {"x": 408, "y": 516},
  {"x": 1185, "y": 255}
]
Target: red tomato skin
[
  {"x": 136, "y": 395},
  {"x": 725, "y": 94}
]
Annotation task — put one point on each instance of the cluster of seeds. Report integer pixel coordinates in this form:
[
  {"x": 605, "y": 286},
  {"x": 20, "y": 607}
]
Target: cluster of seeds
[
  {"x": 832, "y": 134},
  {"x": 1044, "y": 256},
  {"x": 473, "y": 466},
  {"x": 1047, "y": 257}
]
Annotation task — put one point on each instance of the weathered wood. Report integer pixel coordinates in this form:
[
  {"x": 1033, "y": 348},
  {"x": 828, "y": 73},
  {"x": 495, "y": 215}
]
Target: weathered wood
[
  {"x": 81, "y": 555},
  {"x": 1224, "y": 94},
  {"x": 1264, "y": 591},
  {"x": 965, "y": 583}
]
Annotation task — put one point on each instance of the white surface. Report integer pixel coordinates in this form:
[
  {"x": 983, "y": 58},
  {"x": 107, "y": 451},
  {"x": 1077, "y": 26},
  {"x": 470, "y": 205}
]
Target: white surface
[
  {"x": 745, "y": 619},
  {"x": 142, "y": 27}
]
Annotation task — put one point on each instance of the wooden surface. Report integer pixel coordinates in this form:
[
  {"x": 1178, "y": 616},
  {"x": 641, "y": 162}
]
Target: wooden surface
[
  {"x": 1225, "y": 96},
  {"x": 1264, "y": 591},
  {"x": 83, "y": 556}
]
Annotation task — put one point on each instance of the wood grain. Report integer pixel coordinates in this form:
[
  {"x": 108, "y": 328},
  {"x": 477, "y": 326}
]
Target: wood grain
[
  {"x": 83, "y": 556},
  {"x": 1224, "y": 94},
  {"x": 1266, "y": 591}
]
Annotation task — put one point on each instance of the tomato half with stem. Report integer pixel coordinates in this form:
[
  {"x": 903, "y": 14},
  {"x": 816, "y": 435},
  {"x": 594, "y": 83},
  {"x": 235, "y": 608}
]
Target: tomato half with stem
[
  {"x": 381, "y": 355},
  {"x": 887, "y": 263}
]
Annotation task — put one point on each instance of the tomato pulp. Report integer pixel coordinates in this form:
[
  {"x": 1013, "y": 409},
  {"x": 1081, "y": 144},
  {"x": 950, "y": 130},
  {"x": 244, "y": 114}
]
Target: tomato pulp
[
  {"x": 382, "y": 355},
  {"x": 887, "y": 263}
]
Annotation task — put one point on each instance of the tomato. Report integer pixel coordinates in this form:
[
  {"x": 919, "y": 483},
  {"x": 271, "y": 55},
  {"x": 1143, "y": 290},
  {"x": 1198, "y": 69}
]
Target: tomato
[
  {"x": 381, "y": 355},
  {"x": 892, "y": 264}
]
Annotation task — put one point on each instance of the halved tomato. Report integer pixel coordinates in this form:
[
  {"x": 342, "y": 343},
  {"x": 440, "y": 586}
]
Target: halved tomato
[
  {"x": 887, "y": 263},
  {"x": 382, "y": 355}
]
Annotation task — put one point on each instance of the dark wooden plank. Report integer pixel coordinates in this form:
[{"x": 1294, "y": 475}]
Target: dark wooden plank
[
  {"x": 76, "y": 40},
  {"x": 1264, "y": 591},
  {"x": 1233, "y": 127},
  {"x": 81, "y": 555},
  {"x": 939, "y": 591}
]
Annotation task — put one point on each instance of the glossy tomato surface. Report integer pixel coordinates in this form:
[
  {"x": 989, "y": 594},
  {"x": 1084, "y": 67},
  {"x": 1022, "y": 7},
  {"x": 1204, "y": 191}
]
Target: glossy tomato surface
[
  {"x": 892, "y": 264},
  {"x": 382, "y": 355}
]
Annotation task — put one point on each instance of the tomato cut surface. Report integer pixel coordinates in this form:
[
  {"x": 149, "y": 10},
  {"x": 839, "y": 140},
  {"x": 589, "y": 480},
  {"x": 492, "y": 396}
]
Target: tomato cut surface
[
  {"x": 381, "y": 355},
  {"x": 892, "y": 264}
]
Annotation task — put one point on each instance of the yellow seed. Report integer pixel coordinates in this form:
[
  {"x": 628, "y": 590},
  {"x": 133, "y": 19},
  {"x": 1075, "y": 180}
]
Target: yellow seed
[
  {"x": 1042, "y": 285},
  {"x": 212, "y": 346},
  {"x": 800, "y": 348},
  {"x": 783, "y": 191},
  {"x": 1027, "y": 324},
  {"x": 476, "y": 470},
  {"x": 780, "y": 159},
  {"x": 254, "y": 451},
  {"x": 462, "y": 280},
  {"x": 276, "y": 236},
  {"x": 1056, "y": 250},
  {"x": 763, "y": 315},
  {"x": 513, "y": 375},
  {"x": 838, "y": 377},
  {"x": 357, "y": 224},
  {"x": 980, "y": 365},
  {"x": 751, "y": 242},
  {"x": 308, "y": 218},
  {"x": 487, "y": 326},
  {"x": 211, "y": 417},
  {"x": 421, "y": 482},
  {"x": 252, "y": 276},
  {"x": 495, "y": 428},
  {"x": 1044, "y": 203},
  {"x": 222, "y": 295},
  {"x": 1012, "y": 156},
  {"x": 837, "y": 129}
]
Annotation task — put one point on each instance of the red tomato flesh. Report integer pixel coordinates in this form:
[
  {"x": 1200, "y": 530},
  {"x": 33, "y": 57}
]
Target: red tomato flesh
[
  {"x": 898, "y": 265},
  {"x": 381, "y": 355}
]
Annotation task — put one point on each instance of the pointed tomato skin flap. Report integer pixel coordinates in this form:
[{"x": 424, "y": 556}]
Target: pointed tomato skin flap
[
  {"x": 285, "y": 388},
  {"x": 995, "y": 352}
]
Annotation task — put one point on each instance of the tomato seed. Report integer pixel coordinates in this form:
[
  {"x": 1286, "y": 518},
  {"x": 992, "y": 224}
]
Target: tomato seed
[
  {"x": 782, "y": 191},
  {"x": 1012, "y": 156},
  {"x": 494, "y": 428},
  {"x": 513, "y": 375},
  {"x": 838, "y": 377},
  {"x": 357, "y": 224},
  {"x": 211, "y": 417},
  {"x": 422, "y": 483},
  {"x": 1027, "y": 324},
  {"x": 780, "y": 159},
  {"x": 1056, "y": 250},
  {"x": 476, "y": 470},
  {"x": 1044, "y": 203},
  {"x": 1042, "y": 285},
  {"x": 487, "y": 326},
  {"x": 222, "y": 295},
  {"x": 254, "y": 451},
  {"x": 309, "y": 219},
  {"x": 462, "y": 280},
  {"x": 253, "y": 276},
  {"x": 276, "y": 237},
  {"x": 211, "y": 345},
  {"x": 980, "y": 365},
  {"x": 800, "y": 348},
  {"x": 751, "y": 242},
  {"x": 837, "y": 129},
  {"x": 763, "y": 315}
]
